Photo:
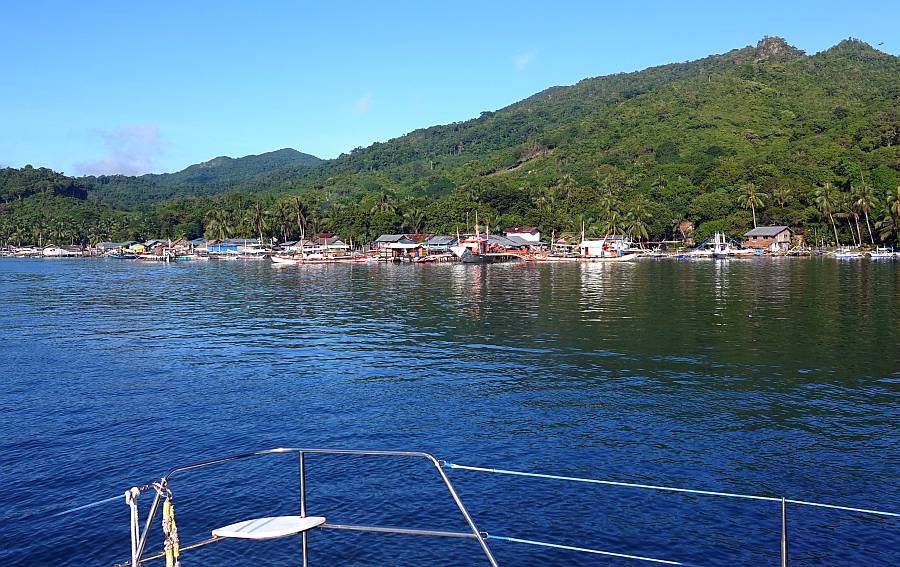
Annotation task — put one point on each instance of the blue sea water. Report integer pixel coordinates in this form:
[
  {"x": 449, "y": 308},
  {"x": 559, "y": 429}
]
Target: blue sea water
[{"x": 777, "y": 377}]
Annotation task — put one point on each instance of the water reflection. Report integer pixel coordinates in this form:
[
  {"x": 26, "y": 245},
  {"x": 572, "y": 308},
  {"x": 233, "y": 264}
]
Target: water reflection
[{"x": 758, "y": 375}]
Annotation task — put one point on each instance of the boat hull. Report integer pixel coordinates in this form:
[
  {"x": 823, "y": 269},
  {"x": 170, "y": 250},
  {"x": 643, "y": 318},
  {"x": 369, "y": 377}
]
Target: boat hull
[
  {"x": 489, "y": 258},
  {"x": 622, "y": 258}
]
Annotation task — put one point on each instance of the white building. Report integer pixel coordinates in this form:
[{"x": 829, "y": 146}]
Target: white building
[
  {"x": 526, "y": 233},
  {"x": 607, "y": 247},
  {"x": 62, "y": 251}
]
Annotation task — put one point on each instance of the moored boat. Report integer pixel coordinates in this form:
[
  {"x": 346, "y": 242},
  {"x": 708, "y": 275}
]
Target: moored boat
[
  {"x": 623, "y": 258},
  {"x": 847, "y": 254},
  {"x": 881, "y": 253}
]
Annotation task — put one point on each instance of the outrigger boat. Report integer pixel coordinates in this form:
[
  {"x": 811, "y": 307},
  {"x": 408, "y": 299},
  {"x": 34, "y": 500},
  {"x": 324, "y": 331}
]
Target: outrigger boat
[
  {"x": 882, "y": 253},
  {"x": 318, "y": 259},
  {"x": 607, "y": 249},
  {"x": 847, "y": 254},
  {"x": 475, "y": 249},
  {"x": 719, "y": 246},
  {"x": 304, "y": 524}
]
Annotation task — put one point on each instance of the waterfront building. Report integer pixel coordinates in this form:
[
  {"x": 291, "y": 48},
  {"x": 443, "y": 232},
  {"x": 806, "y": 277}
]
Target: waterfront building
[
  {"x": 54, "y": 251},
  {"x": 222, "y": 248},
  {"x": 107, "y": 246},
  {"x": 385, "y": 240},
  {"x": 153, "y": 243},
  {"x": 328, "y": 242},
  {"x": 398, "y": 246},
  {"x": 526, "y": 233},
  {"x": 771, "y": 238},
  {"x": 611, "y": 245},
  {"x": 497, "y": 242},
  {"x": 440, "y": 243}
]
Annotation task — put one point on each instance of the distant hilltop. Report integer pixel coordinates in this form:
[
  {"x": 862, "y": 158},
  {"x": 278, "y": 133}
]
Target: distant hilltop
[{"x": 805, "y": 138}]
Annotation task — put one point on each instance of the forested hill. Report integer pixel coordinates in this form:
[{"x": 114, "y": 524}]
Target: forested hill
[
  {"x": 812, "y": 141},
  {"x": 218, "y": 175}
]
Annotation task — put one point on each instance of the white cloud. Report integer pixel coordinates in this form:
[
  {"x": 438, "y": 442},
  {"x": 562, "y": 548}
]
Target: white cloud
[
  {"x": 524, "y": 59},
  {"x": 131, "y": 149},
  {"x": 363, "y": 105}
]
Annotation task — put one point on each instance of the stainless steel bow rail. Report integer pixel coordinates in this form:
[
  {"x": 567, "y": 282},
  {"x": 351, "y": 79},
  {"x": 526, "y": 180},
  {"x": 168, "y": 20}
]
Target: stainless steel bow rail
[
  {"x": 783, "y": 508},
  {"x": 140, "y": 536}
]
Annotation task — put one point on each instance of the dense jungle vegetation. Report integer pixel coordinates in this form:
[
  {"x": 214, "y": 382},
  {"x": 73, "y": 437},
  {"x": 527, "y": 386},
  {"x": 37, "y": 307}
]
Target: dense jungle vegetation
[{"x": 759, "y": 135}]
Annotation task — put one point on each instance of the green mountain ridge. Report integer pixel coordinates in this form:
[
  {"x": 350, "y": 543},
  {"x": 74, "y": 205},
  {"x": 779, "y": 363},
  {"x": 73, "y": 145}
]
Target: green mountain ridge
[
  {"x": 217, "y": 175},
  {"x": 636, "y": 152}
]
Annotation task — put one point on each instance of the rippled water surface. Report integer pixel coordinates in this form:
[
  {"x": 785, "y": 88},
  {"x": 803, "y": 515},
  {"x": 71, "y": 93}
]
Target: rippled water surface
[{"x": 764, "y": 376}]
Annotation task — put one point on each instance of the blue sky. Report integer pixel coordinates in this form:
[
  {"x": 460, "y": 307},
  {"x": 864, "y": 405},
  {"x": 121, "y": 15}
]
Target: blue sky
[{"x": 136, "y": 87}]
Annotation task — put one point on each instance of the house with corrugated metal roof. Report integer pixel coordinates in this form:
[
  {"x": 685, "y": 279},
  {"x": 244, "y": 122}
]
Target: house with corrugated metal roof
[
  {"x": 526, "y": 233},
  {"x": 440, "y": 243},
  {"x": 495, "y": 241},
  {"x": 385, "y": 240},
  {"x": 772, "y": 238}
]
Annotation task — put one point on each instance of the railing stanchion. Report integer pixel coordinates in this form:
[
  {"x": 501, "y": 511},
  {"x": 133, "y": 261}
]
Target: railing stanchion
[
  {"x": 301, "y": 462},
  {"x": 784, "y": 543}
]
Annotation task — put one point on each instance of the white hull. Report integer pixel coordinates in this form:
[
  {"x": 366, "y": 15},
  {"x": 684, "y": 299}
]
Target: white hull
[{"x": 623, "y": 258}]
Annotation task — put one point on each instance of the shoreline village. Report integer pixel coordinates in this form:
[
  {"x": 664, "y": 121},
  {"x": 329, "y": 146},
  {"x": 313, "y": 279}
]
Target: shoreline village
[{"x": 477, "y": 246}]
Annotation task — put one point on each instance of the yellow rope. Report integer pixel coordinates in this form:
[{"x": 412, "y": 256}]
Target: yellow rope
[{"x": 171, "y": 533}]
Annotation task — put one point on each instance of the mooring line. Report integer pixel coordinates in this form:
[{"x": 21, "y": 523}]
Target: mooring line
[{"x": 86, "y": 506}]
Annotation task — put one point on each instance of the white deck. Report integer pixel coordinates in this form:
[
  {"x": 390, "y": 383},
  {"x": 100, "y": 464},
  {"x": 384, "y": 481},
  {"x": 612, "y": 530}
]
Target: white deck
[{"x": 269, "y": 528}]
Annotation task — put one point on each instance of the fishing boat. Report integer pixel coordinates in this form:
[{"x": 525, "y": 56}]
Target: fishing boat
[
  {"x": 623, "y": 258},
  {"x": 698, "y": 253},
  {"x": 720, "y": 247},
  {"x": 149, "y": 257},
  {"x": 556, "y": 258},
  {"x": 610, "y": 248},
  {"x": 799, "y": 251},
  {"x": 882, "y": 253},
  {"x": 723, "y": 248},
  {"x": 280, "y": 259},
  {"x": 474, "y": 249},
  {"x": 657, "y": 254},
  {"x": 305, "y": 524},
  {"x": 847, "y": 254},
  {"x": 120, "y": 256},
  {"x": 433, "y": 258}
]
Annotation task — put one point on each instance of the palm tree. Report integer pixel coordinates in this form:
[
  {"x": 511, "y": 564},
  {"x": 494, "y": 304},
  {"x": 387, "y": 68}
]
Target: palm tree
[
  {"x": 582, "y": 220},
  {"x": 414, "y": 219},
  {"x": 890, "y": 222},
  {"x": 751, "y": 198},
  {"x": 610, "y": 215},
  {"x": 636, "y": 218},
  {"x": 332, "y": 219},
  {"x": 826, "y": 201},
  {"x": 384, "y": 205},
  {"x": 257, "y": 218},
  {"x": 864, "y": 201},
  {"x": 301, "y": 211},
  {"x": 217, "y": 225},
  {"x": 280, "y": 215},
  {"x": 782, "y": 195}
]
